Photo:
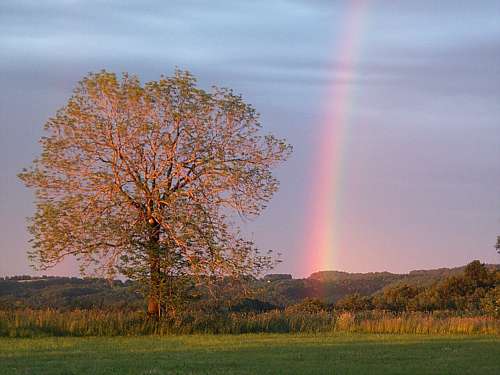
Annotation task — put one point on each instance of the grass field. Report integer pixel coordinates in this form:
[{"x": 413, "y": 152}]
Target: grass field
[{"x": 253, "y": 354}]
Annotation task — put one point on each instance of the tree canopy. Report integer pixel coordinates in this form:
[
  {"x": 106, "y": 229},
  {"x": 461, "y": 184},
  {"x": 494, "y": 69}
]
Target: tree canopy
[{"x": 148, "y": 180}]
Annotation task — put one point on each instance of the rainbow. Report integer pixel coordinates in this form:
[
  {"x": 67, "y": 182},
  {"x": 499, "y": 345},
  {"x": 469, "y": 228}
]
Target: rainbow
[{"x": 321, "y": 242}]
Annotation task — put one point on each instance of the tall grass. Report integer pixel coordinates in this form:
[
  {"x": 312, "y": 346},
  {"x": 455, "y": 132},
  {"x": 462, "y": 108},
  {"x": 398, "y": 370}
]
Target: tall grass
[{"x": 36, "y": 323}]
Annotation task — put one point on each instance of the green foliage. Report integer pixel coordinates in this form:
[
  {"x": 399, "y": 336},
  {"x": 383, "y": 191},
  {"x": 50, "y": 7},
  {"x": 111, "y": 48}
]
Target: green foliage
[
  {"x": 309, "y": 306},
  {"x": 64, "y": 293},
  {"x": 277, "y": 276},
  {"x": 354, "y": 302},
  {"x": 490, "y": 303},
  {"x": 477, "y": 274},
  {"x": 396, "y": 299},
  {"x": 466, "y": 292},
  {"x": 463, "y": 303},
  {"x": 248, "y": 305},
  {"x": 461, "y": 290}
]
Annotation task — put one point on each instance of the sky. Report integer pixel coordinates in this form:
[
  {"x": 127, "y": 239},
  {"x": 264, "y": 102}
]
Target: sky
[{"x": 418, "y": 182}]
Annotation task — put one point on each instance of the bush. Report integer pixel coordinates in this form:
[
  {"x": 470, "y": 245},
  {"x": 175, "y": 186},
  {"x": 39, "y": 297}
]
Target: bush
[
  {"x": 309, "y": 305},
  {"x": 354, "y": 302},
  {"x": 251, "y": 305},
  {"x": 490, "y": 304}
]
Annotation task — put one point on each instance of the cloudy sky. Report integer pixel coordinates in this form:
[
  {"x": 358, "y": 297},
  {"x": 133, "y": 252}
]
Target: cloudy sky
[{"x": 419, "y": 185}]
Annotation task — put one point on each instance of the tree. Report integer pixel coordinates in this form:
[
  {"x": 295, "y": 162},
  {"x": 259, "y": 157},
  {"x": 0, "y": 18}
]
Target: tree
[
  {"x": 497, "y": 245},
  {"x": 354, "y": 302},
  {"x": 398, "y": 298},
  {"x": 476, "y": 274},
  {"x": 308, "y": 305},
  {"x": 148, "y": 181},
  {"x": 490, "y": 304}
]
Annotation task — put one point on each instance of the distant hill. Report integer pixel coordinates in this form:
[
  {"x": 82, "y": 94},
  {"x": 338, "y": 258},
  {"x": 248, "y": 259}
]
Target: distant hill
[
  {"x": 67, "y": 293},
  {"x": 333, "y": 276},
  {"x": 337, "y": 284},
  {"x": 420, "y": 277},
  {"x": 277, "y": 289}
]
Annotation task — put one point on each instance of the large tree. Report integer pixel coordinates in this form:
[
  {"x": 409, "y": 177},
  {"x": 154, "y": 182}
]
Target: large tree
[{"x": 149, "y": 180}]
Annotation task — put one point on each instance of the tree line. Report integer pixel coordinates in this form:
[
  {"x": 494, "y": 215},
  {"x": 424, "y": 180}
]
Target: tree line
[
  {"x": 473, "y": 289},
  {"x": 476, "y": 290}
]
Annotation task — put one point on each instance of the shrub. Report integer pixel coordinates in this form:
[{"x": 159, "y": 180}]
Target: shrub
[{"x": 309, "y": 305}]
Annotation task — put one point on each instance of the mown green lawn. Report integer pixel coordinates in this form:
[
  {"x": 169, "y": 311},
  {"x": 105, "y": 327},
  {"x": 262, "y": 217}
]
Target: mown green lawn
[{"x": 253, "y": 354}]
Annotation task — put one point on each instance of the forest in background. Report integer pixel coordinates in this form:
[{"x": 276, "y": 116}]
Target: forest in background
[
  {"x": 463, "y": 300},
  {"x": 471, "y": 288}
]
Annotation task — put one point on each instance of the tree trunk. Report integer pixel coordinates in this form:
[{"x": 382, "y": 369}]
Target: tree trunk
[{"x": 154, "y": 302}]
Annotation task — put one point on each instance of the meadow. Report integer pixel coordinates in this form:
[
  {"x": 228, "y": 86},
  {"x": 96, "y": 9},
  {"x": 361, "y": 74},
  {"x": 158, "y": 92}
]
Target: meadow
[
  {"x": 88, "y": 323},
  {"x": 253, "y": 354}
]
